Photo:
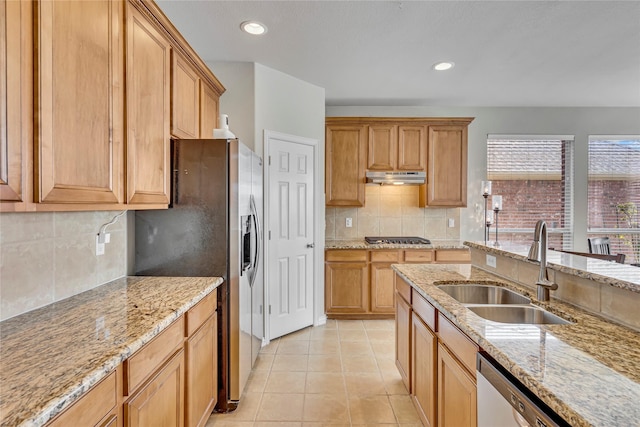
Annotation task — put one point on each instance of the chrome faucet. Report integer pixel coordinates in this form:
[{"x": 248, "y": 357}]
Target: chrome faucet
[{"x": 538, "y": 252}]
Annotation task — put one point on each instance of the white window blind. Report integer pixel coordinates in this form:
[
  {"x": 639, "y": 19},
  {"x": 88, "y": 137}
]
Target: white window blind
[
  {"x": 534, "y": 176},
  {"x": 614, "y": 193}
]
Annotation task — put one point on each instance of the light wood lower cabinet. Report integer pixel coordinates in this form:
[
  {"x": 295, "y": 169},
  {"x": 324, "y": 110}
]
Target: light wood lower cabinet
[
  {"x": 160, "y": 402},
  {"x": 346, "y": 289},
  {"x": 99, "y": 407},
  {"x": 424, "y": 348},
  {"x": 440, "y": 365},
  {"x": 457, "y": 392},
  {"x": 172, "y": 381},
  {"x": 403, "y": 339},
  {"x": 360, "y": 283}
]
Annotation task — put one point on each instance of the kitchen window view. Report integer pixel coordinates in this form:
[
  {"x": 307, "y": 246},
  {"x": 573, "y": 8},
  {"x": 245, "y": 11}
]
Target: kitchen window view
[
  {"x": 614, "y": 193},
  {"x": 534, "y": 177}
]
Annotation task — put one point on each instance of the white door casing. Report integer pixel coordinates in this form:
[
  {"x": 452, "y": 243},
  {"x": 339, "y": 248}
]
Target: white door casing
[{"x": 289, "y": 233}]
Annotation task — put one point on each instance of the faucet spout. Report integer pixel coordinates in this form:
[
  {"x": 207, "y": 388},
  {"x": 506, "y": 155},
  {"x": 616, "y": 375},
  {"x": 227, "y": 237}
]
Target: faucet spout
[{"x": 538, "y": 252}]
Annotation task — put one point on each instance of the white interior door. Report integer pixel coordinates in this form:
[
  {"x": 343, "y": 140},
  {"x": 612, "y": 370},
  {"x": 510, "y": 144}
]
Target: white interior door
[{"x": 290, "y": 233}]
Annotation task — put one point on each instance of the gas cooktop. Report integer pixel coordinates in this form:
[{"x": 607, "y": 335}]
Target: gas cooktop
[{"x": 398, "y": 240}]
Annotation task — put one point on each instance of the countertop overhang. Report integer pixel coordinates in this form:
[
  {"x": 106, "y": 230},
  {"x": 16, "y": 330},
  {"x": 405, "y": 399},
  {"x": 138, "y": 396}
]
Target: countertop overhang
[
  {"x": 51, "y": 356},
  {"x": 587, "y": 372}
]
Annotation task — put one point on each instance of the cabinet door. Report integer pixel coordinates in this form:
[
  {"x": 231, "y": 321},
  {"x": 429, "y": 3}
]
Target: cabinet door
[
  {"x": 202, "y": 380},
  {"x": 208, "y": 110},
  {"x": 383, "y": 141},
  {"x": 424, "y": 376},
  {"x": 382, "y": 288},
  {"x": 15, "y": 99},
  {"x": 346, "y": 287},
  {"x": 160, "y": 402},
  {"x": 403, "y": 339},
  {"x": 79, "y": 90},
  {"x": 345, "y": 161},
  {"x": 412, "y": 148},
  {"x": 447, "y": 167},
  {"x": 148, "y": 70},
  {"x": 457, "y": 392},
  {"x": 185, "y": 99}
]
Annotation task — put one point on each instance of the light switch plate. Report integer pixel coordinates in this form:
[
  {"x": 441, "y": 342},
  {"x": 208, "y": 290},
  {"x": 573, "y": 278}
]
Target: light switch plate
[
  {"x": 491, "y": 261},
  {"x": 452, "y": 222}
]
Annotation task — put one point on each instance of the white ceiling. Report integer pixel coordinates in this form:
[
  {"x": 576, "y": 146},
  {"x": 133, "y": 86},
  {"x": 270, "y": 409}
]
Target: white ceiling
[{"x": 506, "y": 53}]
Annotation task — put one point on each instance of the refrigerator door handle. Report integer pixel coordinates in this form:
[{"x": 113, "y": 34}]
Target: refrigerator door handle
[{"x": 258, "y": 230}]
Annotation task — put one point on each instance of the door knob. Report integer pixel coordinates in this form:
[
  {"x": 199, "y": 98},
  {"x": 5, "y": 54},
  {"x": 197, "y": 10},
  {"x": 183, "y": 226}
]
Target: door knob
[{"x": 310, "y": 245}]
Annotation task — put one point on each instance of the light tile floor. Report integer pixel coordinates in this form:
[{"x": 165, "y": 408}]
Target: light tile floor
[{"x": 339, "y": 374}]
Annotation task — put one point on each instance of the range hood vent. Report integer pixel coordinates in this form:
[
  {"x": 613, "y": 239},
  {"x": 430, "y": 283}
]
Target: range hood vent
[{"x": 396, "y": 178}]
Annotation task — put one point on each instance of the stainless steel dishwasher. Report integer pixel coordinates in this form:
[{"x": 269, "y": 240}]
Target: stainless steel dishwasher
[{"x": 504, "y": 402}]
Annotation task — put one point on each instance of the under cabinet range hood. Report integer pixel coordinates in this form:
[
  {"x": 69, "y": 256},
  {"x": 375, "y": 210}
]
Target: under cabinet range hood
[{"x": 396, "y": 178}]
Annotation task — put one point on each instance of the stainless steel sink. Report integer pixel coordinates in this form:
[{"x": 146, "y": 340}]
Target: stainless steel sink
[
  {"x": 517, "y": 314},
  {"x": 483, "y": 294}
]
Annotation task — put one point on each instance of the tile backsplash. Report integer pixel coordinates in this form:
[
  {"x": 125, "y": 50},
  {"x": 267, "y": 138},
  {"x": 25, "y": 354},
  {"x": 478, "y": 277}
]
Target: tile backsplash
[
  {"x": 49, "y": 256},
  {"x": 392, "y": 211}
]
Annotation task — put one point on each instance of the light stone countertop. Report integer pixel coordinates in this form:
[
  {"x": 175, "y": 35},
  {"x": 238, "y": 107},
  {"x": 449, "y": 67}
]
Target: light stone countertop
[
  {"x": 621, "y": 276},
  {"x": 51, "y": 356},
  {"x": 361, "y": 244},
  {"x": 588, "y": 372}
]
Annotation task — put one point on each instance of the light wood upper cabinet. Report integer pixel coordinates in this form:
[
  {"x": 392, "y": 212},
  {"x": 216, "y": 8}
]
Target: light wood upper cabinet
[
  {"x": 447, "y": 167},
  {"x": 345, "y": 161},
  {"x": 209, "y": 106},
  {"x": 412, "y": 148},
  {"x": 16, "y": 74},
  {"x": 185, "y": 99},
  {"x": 79, "y": 92},
  {"x": 148, "y": 83},
  {"x": 383, "y": 143}
]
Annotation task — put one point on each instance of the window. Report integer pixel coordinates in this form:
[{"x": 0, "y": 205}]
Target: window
[
  {"x": 614, "y": 193},
  {"x": 534, "y": 176}
]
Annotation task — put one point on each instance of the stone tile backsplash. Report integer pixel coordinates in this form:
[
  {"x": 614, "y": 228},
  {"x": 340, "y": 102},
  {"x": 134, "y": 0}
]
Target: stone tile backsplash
[
  {"x": 392, "y": 211},
  {"x": 49, "y": 256}
]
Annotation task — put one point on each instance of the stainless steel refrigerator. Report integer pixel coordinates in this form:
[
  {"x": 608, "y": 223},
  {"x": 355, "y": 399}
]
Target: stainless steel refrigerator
[{"x": 213, "y": 228}]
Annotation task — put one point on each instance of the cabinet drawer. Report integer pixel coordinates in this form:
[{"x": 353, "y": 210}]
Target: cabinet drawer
[
  {"x": 92, "y": 407},
  {"x": 149, "y": 358},
  {"x": 385, "y": 256},
  {"x": 418, "y": 256},
  {"x": 403, "y": 288},
  {"x": 459, "y": 344},
  {"x": 200, "y": 312},
  {"x": 345, "y": 255},
  {"x": 424, "y": 309},
  {"x": 453, "y": 255}
]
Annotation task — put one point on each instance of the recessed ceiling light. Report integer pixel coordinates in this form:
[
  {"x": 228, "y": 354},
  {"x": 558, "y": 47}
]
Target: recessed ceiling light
[
  {"x": 443, "y": 66},
  {"x": 253, "y": 27}
]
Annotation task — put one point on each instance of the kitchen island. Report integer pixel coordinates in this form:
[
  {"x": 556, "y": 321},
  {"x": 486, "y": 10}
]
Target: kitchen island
[
  {"x": 586, "y": 371},
  {"x": 50, "y": 357}
]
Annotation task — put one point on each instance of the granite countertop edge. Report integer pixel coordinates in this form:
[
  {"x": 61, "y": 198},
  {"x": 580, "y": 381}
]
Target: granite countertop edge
[
  {"x": 459, "y": 315},
  {"x": 362, "y": 244},
  {"x": 111, "y": 361}
]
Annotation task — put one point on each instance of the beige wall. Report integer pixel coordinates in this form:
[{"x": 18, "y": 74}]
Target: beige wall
[
  {"x": 46, "y": 257},
  {"x": 392, "y": 211}
]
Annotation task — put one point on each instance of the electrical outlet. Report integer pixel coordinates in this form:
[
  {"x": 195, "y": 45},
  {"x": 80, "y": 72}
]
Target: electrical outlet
[
  {"x": 452, "y": 222},
  {"x": 107, "y": 237},
  {"x": 349, "y": 222},
  {"x": 491, "y": 261},
  {"x": 99, "y": 247}
]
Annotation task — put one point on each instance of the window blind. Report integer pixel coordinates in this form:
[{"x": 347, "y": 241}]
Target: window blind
[
  {"x": 614, "y": 193},
  {"x": 534, "y": 176}
]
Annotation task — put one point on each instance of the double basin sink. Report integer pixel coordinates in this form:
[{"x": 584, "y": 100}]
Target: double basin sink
[{"x": 500, "y": 304}]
